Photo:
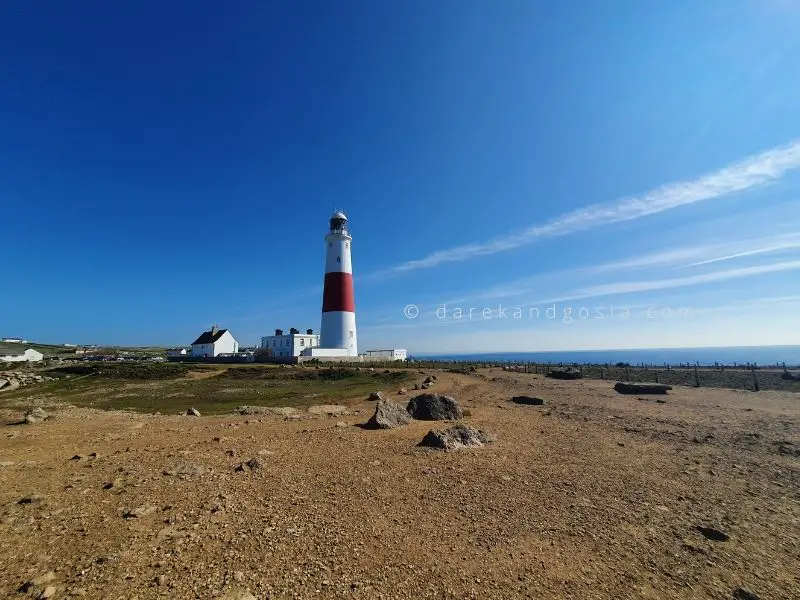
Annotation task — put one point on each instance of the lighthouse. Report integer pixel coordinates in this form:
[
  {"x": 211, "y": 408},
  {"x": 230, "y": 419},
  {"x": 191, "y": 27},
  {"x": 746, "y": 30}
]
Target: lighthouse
[{"x": 338, "y": 329}]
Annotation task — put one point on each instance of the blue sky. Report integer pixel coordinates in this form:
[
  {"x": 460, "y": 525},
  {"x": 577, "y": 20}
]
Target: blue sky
[{"x": 169, "y": 166}]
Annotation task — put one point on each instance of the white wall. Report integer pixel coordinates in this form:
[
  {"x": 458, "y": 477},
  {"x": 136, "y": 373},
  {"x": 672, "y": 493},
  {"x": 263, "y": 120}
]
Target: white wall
[
  {"x": 30, "y": 355},
  {"x": 289, "y": 344},
  {"x": 226, "y": 344},
  {"x": 393, "y": 354}
]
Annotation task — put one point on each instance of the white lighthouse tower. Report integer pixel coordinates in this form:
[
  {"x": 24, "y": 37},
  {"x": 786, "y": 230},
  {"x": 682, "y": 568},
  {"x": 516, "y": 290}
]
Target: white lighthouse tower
[{"x": 338, "y": 329}]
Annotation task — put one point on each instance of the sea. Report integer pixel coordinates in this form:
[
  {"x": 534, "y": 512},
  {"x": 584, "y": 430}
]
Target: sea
[{"x": 731, "y": 355}]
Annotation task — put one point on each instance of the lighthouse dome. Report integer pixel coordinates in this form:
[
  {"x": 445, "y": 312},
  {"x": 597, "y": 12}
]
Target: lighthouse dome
[{"x": 338, "y": 221}]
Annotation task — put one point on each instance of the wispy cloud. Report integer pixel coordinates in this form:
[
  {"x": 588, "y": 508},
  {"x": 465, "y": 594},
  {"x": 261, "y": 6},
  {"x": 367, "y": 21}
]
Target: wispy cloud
[
  {"x": 627, "y": 287},
  {"x": 757, "y": 170}
]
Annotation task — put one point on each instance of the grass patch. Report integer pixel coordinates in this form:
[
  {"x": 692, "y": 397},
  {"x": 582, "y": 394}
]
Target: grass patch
[{"x": 172, "y": 387}]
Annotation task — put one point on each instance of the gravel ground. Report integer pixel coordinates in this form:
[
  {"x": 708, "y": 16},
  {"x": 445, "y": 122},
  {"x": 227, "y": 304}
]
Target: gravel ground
[{"x": 592, "y": 495}]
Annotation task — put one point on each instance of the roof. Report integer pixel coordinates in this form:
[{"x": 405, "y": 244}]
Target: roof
[
  {"x": 13, "y": 349},
  {"x": 207, "y": 337}
]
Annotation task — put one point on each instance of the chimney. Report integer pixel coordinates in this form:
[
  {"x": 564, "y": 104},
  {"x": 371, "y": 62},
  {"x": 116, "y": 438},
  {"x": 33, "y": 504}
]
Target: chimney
[
  {"x": 214, "y": 330},
  {"x": 309, "y": 331},
  {"x": 279, "y": 332},
  {"x": 293, "y": 331}
]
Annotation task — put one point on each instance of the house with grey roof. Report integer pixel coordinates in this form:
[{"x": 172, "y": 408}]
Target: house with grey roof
[{"x": 214, "y": 342}]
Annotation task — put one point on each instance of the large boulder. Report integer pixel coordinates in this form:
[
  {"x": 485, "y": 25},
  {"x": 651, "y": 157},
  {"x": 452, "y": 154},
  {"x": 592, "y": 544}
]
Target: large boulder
[
  {"x": 388, "y": 415},
  {"x": 3, "y": 382},
  {"x": 434, "y": 407},
  {"x": 568, "y": 373},
  {"x": 459, "y": 436},
  {"x": 627, "y": 387},
  {"x": 35, "y": 415}
]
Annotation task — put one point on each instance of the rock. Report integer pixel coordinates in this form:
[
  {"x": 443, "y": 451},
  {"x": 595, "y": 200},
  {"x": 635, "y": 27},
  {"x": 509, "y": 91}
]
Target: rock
[
  {"x": 627, "y": 387},
  {"x": 139, "y": 511},
  {"x": 12, "y": 384},
  {"x": 3, "y": 382},
  {"x": 254, "y": 464},
  {"x": 238, "y": 576},
  {"x": 416, "y": 386},
  {"x": 567, "y": 373},
  {"x": 185, "y": 469},
  {"x": 460, "y": 436},
  {"x": 388, "y": 415},
  {"x": 712, "y": 534},
  {"x": 529, "y": 400},
  {"x": 434, "y": 407},
  {"x": 328, "y": 409},
  {"x": 377, "y": 396},
  {"x": 429, "y": 379},
  {"x": 741, "y": 593},
  {"x": 788, "y": 448},
  {"x": 78, "y": 592},
  {"x": 402, "y": 392},
  {"x": 48, "y": 592},
  {"x": 36, "y": 415},
  {"x": 283, "y": 411},
  {"x": 426, "y": 386},
  {"x": 161, "y": 580},
  {"x": 31, "y": 499},
  {"x": 237, "y": 594},
  {"x": 341, "y": 424},
  {"x": 193, "y": 412}
]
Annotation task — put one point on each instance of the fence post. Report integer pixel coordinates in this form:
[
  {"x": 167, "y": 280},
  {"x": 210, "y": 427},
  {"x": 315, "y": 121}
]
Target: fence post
[
  {"x": 756, "y": 387},
  {"x": 602, "y": 375},
  {"x": 627, "y": 373},
  {"x": 696, "y": 377},
  {"x": 657, "y": 381}
]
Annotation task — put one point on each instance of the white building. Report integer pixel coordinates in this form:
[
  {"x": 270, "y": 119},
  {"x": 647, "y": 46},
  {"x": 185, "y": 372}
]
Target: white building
[
  {"x": 177, "y": 352},
  {"x": 14, "y": 340},
  {"x": 393, "y": 354},
  {"x": 11, "y": 354},
  {"x": 215, "y": 342},
  {"x": 291, "y": 344}
]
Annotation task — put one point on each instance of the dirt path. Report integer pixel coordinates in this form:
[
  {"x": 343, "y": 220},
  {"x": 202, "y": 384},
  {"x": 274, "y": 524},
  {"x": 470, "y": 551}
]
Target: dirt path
[{"x": 593, "y": 495}]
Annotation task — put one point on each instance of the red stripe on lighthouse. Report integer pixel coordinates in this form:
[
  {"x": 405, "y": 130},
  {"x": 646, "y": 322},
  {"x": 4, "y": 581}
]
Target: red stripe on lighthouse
[{"x": 338, "y": 293}]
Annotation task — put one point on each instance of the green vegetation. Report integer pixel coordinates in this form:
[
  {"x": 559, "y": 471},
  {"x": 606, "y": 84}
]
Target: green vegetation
[{"x": 171, "y": 388}]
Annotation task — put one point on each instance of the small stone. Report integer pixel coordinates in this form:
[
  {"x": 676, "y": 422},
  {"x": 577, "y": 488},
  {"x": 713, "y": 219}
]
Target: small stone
[
  {"x": 185, "y": 469},
  {"x": 713, "y": 534},
  {"x": 741, "y": 593},
  {"x": 35, "y": 415},
  {"x": 341, "y": 424},
  {"x": 161, "y": 580},
  {"x": 193, "y": 412},
  {"x": 31, "y": 499},
  {"x": 238, "y": 576},
  {"x": 48, "y": 592},
  {"x": 78, "y": 592},
  {"x": 139, "y": 511}
]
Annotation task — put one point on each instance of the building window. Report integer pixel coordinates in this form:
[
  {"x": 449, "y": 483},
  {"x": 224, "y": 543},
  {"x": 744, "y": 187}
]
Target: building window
[
  {"x": 302, "y": 342},
  {"x": 273, "y": 343}
]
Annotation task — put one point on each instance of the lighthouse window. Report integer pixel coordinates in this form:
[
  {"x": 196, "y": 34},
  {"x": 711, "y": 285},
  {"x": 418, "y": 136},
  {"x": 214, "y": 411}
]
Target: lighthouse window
[{"x": 338, "y": 259}]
